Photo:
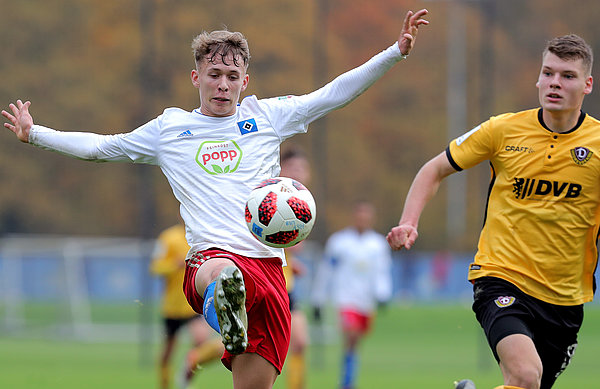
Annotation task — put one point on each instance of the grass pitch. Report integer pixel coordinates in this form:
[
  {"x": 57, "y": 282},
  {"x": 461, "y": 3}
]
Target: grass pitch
[{"x": 410, "y": 347}]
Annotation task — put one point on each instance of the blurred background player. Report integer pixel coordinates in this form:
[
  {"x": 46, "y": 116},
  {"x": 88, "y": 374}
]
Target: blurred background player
[
  {"x": 294, "y": 164},
  {"x": 537, "y": 254},
  {"x": 356, "y": 272},
  {"x": 168, "y": 262}
]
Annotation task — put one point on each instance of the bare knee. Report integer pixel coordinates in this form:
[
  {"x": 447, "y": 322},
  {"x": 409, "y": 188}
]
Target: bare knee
[
  {"x": 519, "y": 361},
  {"x": 209, "y": 271},
  {"x": 524, "y": 376}
]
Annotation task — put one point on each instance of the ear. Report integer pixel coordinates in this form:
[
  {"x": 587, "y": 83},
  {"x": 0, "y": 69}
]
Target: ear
[
  {"x": 195, "y": 78},
  {"x": 245, "y": 82},
  {"x": 589, "y": 84}
]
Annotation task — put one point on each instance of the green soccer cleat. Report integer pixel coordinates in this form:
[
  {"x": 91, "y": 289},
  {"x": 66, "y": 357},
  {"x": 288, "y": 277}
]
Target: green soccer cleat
[
  {"x": 464, "y": 384},
  {"x": 230, "y": 305}
]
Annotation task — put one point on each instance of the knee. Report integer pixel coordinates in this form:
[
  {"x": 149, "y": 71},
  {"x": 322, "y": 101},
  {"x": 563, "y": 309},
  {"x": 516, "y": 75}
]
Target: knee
[
  {"x": 209, "y": 271},
  {"x": 527, "y": 376}
]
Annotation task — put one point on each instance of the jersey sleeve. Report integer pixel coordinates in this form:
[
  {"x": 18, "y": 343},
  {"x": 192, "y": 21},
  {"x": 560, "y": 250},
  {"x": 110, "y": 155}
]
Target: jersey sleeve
[
  {"x": 473, "y": 147},
  {"x": 292, "y": 114},
  {"x": 139, "y": 146}
]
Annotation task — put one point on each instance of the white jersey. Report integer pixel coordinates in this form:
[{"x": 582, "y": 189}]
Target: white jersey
[
  {"x": 212, "y": 163},
  {"x": 356, "y": 271}
]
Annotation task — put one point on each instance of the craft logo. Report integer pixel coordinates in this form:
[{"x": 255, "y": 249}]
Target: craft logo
[
  {"x": 504, "y": 301},
  {"x": 219, "y": 157},
  {"x": 581, "y": 155},
  {"x": 530, "y": 187},
  {"x": 247, "y": 126},
  {"x": 519, "y": 149}
]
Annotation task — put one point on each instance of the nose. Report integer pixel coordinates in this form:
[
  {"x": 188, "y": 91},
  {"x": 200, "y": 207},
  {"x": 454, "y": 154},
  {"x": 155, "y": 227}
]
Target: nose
[
  {"x": 223, "y": 84},
  {"x": 555, "y": 81}
]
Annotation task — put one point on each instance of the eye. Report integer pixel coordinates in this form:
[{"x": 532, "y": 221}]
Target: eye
[{"x": 569, "y": 76}]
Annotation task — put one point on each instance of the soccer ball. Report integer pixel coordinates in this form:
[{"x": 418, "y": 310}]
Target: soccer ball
[{"x": 280, "y": 212}]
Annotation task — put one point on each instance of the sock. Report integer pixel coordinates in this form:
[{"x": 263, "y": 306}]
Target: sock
[
  {"x": 210, "y": 314},
  {"x": 349, "y": 370},
  {"x": 296, "y": 371}
]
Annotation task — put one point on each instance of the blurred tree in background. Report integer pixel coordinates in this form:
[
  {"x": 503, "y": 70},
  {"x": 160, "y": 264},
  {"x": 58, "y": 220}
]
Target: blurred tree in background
[{"x": 80, "y": 63}]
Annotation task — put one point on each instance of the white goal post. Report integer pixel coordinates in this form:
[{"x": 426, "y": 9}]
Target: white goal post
[{"x": 55, "y": 271}]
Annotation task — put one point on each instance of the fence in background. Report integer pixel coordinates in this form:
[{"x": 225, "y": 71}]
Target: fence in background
[{"x": 68, "y": 276}]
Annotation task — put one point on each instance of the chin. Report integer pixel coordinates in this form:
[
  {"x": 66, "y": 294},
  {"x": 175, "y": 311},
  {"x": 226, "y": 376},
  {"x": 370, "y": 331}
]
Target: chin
[{"x": 552, "y": 107}]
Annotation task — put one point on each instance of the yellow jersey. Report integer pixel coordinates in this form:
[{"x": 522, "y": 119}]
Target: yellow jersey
[
  {"x": 542, "y": 215},
  {"x": 169, "y": 262}
]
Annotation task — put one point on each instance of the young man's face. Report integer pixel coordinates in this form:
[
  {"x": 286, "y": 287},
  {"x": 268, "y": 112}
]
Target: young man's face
[
  {"x": 220, "y": 85},
  {"x": 562, "y": 84}
]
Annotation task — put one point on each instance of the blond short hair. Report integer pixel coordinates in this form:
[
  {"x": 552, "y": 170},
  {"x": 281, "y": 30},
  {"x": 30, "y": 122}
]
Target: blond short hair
[{"x": 215, "y": 45}]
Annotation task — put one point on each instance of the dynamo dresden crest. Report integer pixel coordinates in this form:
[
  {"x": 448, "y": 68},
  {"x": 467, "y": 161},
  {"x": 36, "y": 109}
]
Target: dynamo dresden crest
[
  {"x": 581, "y": 155},
  {"x": 504, "y": 301}
]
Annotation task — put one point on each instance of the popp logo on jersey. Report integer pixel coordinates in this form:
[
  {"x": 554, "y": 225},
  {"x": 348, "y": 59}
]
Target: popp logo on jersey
[{"x": 219, "y": 157}]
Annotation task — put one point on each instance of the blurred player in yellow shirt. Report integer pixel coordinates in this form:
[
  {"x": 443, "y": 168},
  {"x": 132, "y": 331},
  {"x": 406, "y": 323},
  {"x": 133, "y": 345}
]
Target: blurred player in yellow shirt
[{"x": 168, "y": 261}]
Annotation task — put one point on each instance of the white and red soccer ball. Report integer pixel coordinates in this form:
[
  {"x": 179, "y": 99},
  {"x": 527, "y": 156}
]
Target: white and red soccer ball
[{"x": 280, "y": 212}]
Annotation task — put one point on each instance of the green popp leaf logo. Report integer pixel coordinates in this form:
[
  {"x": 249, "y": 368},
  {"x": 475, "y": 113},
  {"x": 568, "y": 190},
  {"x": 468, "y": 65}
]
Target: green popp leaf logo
[{"x": 219, "y": 157}]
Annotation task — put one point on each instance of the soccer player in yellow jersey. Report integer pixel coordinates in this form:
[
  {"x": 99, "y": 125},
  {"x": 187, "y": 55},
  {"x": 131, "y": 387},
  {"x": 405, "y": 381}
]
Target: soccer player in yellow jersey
[
  {"x": 536, "y": 257},
  {"x": 168, "y": 261},
  {"x": 294, "y": 164}
]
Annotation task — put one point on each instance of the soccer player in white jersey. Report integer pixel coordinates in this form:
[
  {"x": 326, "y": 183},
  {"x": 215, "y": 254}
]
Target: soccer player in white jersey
[
  {"x": 356, "y": 273},
  {"x": 213, "y": 157}
]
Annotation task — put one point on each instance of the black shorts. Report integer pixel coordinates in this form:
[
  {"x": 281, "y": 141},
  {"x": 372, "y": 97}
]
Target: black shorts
[
  {"x": 173, "y": 325},
  {"x": 502, "y": 309}
]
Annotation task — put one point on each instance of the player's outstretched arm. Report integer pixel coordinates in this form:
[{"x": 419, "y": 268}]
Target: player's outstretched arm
[
  {"x": 410, "y": 27},
  {"x": 423, "y": 188},
  {"x": 20, "y": 121}
]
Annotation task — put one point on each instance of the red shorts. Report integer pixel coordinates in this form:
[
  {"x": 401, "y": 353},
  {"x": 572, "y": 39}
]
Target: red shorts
[
  {"x": 267, "y": 303},
  {"x": 352, "y": 320}
]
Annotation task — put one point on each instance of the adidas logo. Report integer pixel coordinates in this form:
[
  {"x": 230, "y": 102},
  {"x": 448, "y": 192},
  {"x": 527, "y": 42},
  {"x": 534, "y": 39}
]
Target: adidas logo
[{"x": 185, "y": 133}]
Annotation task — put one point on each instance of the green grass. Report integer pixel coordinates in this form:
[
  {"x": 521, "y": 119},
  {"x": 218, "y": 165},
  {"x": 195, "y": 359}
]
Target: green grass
[{"x": 410, "y": 347}]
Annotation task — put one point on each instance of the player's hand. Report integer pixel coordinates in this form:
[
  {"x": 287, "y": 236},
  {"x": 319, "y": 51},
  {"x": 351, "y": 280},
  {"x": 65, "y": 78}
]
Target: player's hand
[
  {"x": 403, "y": 235},
  {"x": 410, "y": 27},
  {"x": 20, "y": 120}
]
